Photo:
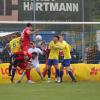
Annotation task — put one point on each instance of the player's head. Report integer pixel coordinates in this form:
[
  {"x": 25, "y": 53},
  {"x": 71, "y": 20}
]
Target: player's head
[
  {"x": 61, "y": 38},
  {"x": 32, "y": 44},
  {"x": 34, "y": 55},
  {"x": 29, "y": 25},
  {"x": 43, "y": 43},
  {"x": 55, "y": 38}
]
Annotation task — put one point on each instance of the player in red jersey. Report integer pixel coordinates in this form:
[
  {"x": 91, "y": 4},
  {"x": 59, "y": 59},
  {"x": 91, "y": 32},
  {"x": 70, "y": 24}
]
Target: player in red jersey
[
  {"x": 23, "y": 61},
  {"x": 26, "y": 37},
  {"x": 46, "y": 51}
]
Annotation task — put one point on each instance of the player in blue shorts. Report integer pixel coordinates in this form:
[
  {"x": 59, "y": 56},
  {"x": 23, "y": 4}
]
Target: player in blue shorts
[
  {"x": 54, "y": 47},
  {"x": 66, "y": 61}
]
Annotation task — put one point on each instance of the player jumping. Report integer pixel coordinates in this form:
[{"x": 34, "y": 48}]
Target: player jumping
[
  {"x": 34, "y": 60},
  {"x": 26, "y": 37}
]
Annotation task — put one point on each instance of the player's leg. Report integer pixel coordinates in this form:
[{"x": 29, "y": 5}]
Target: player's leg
[
  {"x": 15, "y": 64},
  {"x": 10, "y": 65},
  {"x": 55, "y": 63},
  {"x": 37, "y": 66},
  {"x": 50, "y": 63},
  {"x": 28, "y": 72},
  {"x": 40, "y": 74},
  {"x": 67, "y": 65},
  {"x": 22, "y": 76},
  {"x": 28, "y": 69},
  {"x": 17, "y": 60},
  {"x": 45, "y": 69},
  {"x": 61, "y": 73}
]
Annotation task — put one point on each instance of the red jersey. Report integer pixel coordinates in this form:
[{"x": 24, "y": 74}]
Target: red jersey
[
  {"x": 46, "y": 53},
  {"x": 25, "y": 36},
  {"x": 25, "y": 40}
]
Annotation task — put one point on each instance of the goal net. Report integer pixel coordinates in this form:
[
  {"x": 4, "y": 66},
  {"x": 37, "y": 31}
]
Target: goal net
[{"x": 84, "y": 38}]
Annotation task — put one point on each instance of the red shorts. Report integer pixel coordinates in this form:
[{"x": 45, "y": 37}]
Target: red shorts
[
  {"x": 23, "y": 65},
  {"x": 19, "y": 56}
]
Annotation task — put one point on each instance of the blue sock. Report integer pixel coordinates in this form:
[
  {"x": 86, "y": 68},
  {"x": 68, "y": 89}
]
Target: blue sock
[
  {"x": 61, "y": 75},
  {"x": 58, "y": 72},
  {"x": 14, "y": 69},
  {"x": 71, "y": 75},
  {"x": 10, "y": 68},
  {"x": 49, "y": 73},
  {"x": 15, "y": 64},
  {"x": 13, "y": 72}
]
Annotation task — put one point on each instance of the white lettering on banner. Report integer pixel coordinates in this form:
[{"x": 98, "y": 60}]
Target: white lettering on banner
[
  {"x": 39, "y": 7},
  {"x": 54, "y": 7},
  {"x": 26, "y": 6},
  {"x": 51, "y": 6}
]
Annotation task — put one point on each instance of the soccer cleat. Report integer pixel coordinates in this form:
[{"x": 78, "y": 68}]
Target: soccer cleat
[
  {"x": 56, "y": 80},
  {"x": 9, "y": 74},
  {"x": 12, "y": 80},
  {"x": 18, "y": 81},
  {"x": 59, "y": 80},
  {"x": 30, "y": 82},
  {"x": 74, "y": 81},
  {"x": 49, "y": 80}
]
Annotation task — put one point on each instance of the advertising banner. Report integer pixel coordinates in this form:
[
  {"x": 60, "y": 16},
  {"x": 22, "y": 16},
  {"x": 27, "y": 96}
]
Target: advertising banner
[{"x": 82, "y": 72}]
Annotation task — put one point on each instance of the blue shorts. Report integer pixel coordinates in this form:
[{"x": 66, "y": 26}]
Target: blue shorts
[
  {"x": 52, "y": 62},
  {"x": 12, "y": 56},
  {"x": 66, "y": 62}
]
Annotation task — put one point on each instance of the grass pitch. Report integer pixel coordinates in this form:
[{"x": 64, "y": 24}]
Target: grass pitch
[{"x": 51, "y": 91}]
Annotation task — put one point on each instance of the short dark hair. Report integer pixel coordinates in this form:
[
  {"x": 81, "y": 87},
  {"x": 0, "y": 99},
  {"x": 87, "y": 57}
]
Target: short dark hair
[
  {"x": 61, "y": 35},
  {"x": 29, "y": 25},
  {"x": 32, "y": 42},
  {"x": 56, "y": 36}
]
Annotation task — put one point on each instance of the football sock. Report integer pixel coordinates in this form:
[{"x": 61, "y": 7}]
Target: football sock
[
  {"x": 28, "y": 74},
  {"x": 71, "y": 75}
]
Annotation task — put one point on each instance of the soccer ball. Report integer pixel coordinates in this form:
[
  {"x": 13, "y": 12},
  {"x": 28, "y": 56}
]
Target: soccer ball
[{"x": 38, "y": 38}]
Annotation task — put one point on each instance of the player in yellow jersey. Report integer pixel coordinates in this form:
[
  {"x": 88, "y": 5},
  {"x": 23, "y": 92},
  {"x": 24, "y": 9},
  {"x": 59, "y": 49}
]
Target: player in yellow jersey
[
  {"x": 15, "y": 46},
  {"x": 54, "y": 47},
  {"x": 66, "y": 60}
]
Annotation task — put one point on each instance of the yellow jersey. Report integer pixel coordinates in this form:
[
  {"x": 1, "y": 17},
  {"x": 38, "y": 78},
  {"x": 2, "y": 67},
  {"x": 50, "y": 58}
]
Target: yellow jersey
[
  {"x": 15, "y": 45},
  {"x": 66, "y": 50},
  {"x": 54, "y": 50}
]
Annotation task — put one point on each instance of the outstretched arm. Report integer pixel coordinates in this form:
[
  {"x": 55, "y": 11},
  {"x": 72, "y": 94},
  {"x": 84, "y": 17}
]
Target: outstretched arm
[{"x": 32, "y": 32}]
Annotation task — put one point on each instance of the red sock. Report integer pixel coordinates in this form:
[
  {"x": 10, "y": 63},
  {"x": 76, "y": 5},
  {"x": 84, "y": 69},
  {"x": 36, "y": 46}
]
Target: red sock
[{"x": 28, "y": 74}]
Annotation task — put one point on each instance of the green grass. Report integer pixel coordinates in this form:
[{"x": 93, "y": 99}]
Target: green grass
[{"x": 51, "y": 91}]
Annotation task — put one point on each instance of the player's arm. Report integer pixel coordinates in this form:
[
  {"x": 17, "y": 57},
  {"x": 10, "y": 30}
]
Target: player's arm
[
  {"x": 58, "y": 46},
  {"x": 68, "y": 48},
  {"x": 40, "y": 51},
  {"x": 32, "y": 32},
  {"x": 50, "y": 45},
  {"x": 7, "y": 46}
]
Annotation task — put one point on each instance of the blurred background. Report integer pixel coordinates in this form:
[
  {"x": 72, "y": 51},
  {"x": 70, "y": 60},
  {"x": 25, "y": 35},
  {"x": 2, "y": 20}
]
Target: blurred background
[{"x": 84, "y": 39}]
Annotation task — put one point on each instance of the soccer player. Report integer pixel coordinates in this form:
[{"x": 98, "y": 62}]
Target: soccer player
[
  {"x": 34, "y": 60},
  {"x": 54, "y": 47},
  {"x": 66, "y": 60},
  {"x": 8, "y": 47},
  {"x": 46, "y": 51},
  {"x": 15, "y": 46},
  {"x": 26, "y": 37}
]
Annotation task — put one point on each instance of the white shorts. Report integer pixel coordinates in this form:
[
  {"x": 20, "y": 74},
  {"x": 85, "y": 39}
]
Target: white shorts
[{"x": 35, "y": 65}]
